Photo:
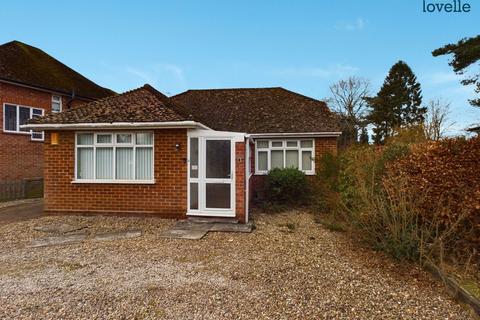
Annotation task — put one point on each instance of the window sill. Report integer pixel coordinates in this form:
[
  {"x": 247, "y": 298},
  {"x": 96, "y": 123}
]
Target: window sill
[
  {"x": 113, "y": 182},
  {"x": 266, "y": 173},
  {"x": 16, "y": 132}
]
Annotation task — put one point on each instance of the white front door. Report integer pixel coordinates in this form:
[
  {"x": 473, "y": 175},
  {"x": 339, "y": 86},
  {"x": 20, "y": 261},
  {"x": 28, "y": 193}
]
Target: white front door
[{"x": 211, "y": 176}]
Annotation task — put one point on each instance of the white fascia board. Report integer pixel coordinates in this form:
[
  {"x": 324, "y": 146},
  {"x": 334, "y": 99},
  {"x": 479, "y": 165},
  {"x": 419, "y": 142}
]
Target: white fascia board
[
  {"x": 116, "y": 125},
  {"x": 235, "y": 136},
  {"x": 294, "y": 134}
]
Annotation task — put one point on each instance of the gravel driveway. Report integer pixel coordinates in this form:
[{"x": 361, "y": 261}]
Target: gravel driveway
[{"x": 289, "y": 268}]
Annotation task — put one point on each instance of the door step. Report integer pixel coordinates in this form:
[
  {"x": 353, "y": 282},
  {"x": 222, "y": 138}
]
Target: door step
[
  {"x": 212, "y": 220},
  {"x": 183, "y": 226}
]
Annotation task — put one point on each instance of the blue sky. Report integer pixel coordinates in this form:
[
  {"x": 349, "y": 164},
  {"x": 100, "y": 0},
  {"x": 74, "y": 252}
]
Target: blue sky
[{"x": 300, "y": 45}]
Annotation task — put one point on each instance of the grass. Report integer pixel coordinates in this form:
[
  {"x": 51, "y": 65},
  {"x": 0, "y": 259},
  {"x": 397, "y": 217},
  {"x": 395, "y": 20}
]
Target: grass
[{"x": 472, "y": 287}]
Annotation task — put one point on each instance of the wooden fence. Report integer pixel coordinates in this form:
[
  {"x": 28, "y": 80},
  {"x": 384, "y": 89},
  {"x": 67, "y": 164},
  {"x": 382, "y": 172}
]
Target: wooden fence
[{"x": 21, "y": 189}]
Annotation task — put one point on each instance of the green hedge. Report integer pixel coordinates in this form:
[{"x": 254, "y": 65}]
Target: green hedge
[{"x": 287, "y": 186}]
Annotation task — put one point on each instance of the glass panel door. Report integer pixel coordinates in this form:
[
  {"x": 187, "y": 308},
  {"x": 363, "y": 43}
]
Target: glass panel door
[
  {"x": 211, "y": 169},
  {"x": 218, "y": 174}
]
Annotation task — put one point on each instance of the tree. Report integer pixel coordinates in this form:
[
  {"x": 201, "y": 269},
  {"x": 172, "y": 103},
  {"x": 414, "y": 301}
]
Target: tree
[
  {"x": 348, "y": 100},
  {"x": 465, "y": 53},
  {"x": 436, "y": 119},
  {"x": 363, "y": 136},
  {"x": 397, "y": 104}
]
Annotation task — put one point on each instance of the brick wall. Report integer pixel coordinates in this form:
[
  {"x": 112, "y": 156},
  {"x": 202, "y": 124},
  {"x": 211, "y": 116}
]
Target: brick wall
[
  {"x": 20, "y": 157},
  {"x": 322, "y": 146},
  {"x": 240, "y": 181},
  {"x": 166, "y": 198}
]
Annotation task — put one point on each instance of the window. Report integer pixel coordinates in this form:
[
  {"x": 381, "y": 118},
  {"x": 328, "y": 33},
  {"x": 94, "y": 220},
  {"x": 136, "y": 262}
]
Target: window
[
  {"x": 56, "y": 103},
  {"x": 285, "y": 154},
  {"x": 14, "y": 116},
  {"x": 114, "y": 157}
]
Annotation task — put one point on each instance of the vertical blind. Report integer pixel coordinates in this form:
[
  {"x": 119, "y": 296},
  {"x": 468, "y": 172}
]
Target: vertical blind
[
  {"x": 273, "y": 154},
  {"x": 115, "y": 156}
]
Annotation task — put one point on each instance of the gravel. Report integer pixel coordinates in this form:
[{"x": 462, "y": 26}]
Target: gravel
[{"x": 289, "y": 268}]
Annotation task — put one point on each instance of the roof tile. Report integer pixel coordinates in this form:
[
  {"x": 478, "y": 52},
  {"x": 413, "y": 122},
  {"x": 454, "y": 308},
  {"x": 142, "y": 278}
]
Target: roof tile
[
  {"x": 258, "y": 110},
  {"x": 144, "y": 104},
  {"x": 22, "y": 63}
]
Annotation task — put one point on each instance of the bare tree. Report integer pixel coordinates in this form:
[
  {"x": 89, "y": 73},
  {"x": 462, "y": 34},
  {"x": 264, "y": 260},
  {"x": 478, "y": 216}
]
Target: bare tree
[
  {"x": 348, "y": 100},
  {"x": 436, "y": 119}
]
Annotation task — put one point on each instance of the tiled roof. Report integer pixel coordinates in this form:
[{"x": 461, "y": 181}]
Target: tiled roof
[
  {"x": 144, "y": 104},
  {"x": 258, "y": 110},
  {"x": 22, "y": 63}
]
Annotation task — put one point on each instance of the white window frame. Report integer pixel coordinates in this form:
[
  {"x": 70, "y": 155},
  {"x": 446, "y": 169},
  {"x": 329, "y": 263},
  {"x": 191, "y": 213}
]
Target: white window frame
[
  {"x": 18, "y": 131},
  {"x": 53, "y": 101},
  {"x": 284, "y": 148},
  {"x": 114, "y": 145}
]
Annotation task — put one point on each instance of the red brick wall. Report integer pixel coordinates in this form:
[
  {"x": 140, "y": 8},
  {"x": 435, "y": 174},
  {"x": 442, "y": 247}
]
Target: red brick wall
[
  {"x": 240, "y": 181},
  {"x": 20, "y": 157},
  {"x": 167, "y": 197},
  {"x": 322, "y": 146}
]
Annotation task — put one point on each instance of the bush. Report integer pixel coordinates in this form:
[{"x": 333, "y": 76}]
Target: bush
[
  {"x": 412, "y": 200},
  {"x": 326, "y": 201},
  {"x": 446, "y": 173},
  {"x": 287, "y": 186}
]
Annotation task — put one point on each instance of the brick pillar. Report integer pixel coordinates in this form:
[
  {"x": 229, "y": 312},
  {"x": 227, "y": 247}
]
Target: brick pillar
[{"x": 240, "y": 181}]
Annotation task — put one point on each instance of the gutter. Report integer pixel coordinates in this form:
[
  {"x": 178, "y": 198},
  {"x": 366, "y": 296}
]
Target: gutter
[
  {"x": 294, "y": 134},
  {"x": 54, "y": 91},
  {"x": 115, "y": 125}
]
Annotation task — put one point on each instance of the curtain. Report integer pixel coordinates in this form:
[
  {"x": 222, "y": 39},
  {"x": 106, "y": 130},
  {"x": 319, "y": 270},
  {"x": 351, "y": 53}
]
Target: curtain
[
  {"x": 144, "y": 138},
  {"x": 85, "y": 163},
  {"x": 104, "y": 163},
  {"x": 124, "y": 163},
  {"x": 277, "y": 159},
  {"x": 143, "y": 163},
  {"x": 85, "y": 139},
  {"x": 306, "y": 160},
  {"x": 262, "y": 160},
  {"x": 292, "y": 159}
]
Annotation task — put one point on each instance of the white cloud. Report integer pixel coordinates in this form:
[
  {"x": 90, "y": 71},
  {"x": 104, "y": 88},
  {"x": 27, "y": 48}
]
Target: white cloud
[
  {"x": 443, "y": 77},
  {"x": 358, "y": 24},
  {"x": 143, "y": 75},
  {"x": 165, "y": 77},
  {"x": 335, "y": 71}
]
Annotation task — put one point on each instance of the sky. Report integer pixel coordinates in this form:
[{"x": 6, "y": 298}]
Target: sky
[{"x": 303, "y": 46}]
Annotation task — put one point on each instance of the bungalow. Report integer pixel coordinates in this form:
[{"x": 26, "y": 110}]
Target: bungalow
[{"x": 200, "y": 153}]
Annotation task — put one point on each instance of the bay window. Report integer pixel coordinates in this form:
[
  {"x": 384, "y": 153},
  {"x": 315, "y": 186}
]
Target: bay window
[
  {"x": 288, "y": 153},
  {"x": 16, "y": 115},
  {"x": 114, "y": 157}
]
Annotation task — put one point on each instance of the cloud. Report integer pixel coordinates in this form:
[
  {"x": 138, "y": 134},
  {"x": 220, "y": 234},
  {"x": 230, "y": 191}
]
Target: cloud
[
  {"x": 358, "y": 24},
  {"x": 335, "y": 71},
  {"x": 168, "y": 77},
  {"x": 443, "y": 78},
  {"x": 145, "y": 76}
]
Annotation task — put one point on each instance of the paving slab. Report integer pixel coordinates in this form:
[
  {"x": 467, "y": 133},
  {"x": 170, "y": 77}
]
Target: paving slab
[
  {"x": 57, "y": 241},
  {"x": 212, "y": 219},
  {"x": 21, "y": 211},
  {"x": 59, "y": 228},
  {"x": 190, "y": 225},
  {"x": 232, "y": 227},
  {"x": 117, "y": 235},
  {"x": 184, "y": 234}
]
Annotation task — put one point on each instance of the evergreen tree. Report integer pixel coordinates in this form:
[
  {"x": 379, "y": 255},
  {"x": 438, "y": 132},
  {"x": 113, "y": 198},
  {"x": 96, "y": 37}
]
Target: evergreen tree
[
  {"x": 363, "y": 136},
  {"x": 466, "y": 52},
  {"x": 397, "y": 104}
]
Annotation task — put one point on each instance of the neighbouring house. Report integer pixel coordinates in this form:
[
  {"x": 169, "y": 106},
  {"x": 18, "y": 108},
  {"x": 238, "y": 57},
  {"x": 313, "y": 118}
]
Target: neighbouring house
[
  {"x": 200, "y": 153},
  {"x": 33, "y": 84}
]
